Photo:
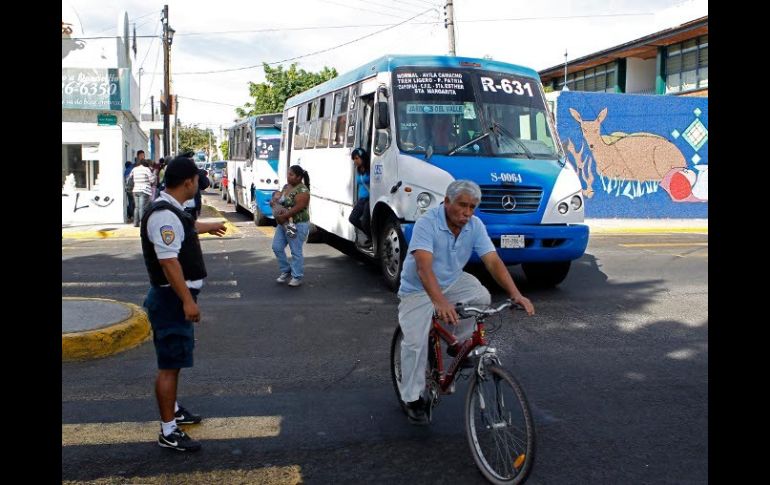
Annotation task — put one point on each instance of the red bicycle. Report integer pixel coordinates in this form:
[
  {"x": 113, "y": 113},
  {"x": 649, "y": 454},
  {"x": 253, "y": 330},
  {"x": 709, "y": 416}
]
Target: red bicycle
[{"x": 498, "y": 421}]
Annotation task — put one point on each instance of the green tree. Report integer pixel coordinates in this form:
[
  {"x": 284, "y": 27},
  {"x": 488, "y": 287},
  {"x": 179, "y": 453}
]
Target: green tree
[
  {"x": 192, "y": 138},
  {"x": 280, "y": 85},
  {"x": 224, "y": 148}
]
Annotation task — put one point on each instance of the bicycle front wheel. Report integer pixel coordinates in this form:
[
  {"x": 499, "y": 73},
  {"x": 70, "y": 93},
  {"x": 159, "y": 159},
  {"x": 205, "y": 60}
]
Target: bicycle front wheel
[{"x": 499, "y": 427}]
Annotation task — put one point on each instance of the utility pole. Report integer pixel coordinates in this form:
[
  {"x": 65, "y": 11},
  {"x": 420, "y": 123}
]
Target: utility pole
[
  {"x": 209, "y": 153},
  {"x": 168, "y": 36},
  {"x": 152, "y": 108},
  {"x": 449, "y": 24},
  {"x": 176, "y": 123}
]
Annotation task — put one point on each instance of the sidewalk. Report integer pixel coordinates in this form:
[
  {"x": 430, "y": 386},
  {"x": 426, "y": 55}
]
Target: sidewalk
[{"x": 129, "y": 231}]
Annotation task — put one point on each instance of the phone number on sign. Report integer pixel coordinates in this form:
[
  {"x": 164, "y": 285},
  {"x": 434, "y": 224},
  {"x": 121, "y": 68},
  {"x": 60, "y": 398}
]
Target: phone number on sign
[{"x": 88, "y": 88}]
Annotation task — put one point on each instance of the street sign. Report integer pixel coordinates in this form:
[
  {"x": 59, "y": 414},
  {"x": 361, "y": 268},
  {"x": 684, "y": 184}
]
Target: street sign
[{"x": 106, "y": 119}]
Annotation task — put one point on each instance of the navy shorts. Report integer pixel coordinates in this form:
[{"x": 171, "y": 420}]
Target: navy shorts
[{"x": 173, "y": 335}]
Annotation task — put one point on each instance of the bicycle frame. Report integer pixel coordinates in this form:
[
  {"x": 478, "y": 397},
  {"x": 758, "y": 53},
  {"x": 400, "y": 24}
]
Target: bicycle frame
[{"x": 478, "y": 338}]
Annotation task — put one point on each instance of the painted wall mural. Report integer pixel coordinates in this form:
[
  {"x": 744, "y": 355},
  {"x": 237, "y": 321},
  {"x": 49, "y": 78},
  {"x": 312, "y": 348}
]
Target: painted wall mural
[{"x": 637, "y": 156}]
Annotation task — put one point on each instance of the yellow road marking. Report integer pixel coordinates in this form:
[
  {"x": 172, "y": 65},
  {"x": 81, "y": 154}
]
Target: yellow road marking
[
  {"x": 271, "y": 475},
  {"x": 141, "y": 432},
  {"x": 663, "y": 245}
]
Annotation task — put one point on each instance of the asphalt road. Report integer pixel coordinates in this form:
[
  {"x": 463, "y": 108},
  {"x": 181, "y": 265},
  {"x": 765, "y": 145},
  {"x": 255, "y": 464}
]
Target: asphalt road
[{"x": 296, "y": 387}]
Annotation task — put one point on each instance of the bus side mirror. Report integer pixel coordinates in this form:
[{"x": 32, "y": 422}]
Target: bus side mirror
[{"x": 382, "y": 115}]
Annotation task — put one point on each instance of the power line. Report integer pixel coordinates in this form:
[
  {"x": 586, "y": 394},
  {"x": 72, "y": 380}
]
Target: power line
[
  {"x": 150, "y": 46},
  {"x": 310, "y": 54},
  {"x": 154, "y": 72},
  {"x": 134, "y": 19},
  {"x": 400, "y": 9},
  {"x": 362, "y": 9},
  {"x": 331, "y": 27},
  {"x": 207, "y": 101},
  {"x": 412, "y": 5}
]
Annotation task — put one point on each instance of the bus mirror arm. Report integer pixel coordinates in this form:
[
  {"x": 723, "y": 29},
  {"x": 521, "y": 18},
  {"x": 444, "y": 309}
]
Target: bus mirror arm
[{"x": 395, "y": 187}]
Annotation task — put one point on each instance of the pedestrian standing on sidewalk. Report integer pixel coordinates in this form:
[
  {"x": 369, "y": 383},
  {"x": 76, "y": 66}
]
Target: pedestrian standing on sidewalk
[
  {"x": 129, "y": 189},
  {"x": 295, "y": 198},
  {"x": 143, "y": 180},
  {"x": 174, "y": 261}
]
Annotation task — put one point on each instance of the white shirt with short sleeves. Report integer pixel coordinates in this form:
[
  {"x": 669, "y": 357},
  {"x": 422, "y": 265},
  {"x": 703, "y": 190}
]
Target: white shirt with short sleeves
[{"x": 166, "y": 232}]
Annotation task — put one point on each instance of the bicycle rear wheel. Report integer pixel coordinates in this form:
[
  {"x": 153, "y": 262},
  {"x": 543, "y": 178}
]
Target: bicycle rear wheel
[
  {"x": 499, "y": 427},
  {"x": 395, "y": 364}
]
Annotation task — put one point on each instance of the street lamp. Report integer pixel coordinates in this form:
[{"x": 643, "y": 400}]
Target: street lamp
[{"x": 170, "y": 35}]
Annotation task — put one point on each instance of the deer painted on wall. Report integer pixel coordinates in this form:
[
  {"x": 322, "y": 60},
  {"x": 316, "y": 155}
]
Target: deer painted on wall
[{"x": 641, "y": 157}]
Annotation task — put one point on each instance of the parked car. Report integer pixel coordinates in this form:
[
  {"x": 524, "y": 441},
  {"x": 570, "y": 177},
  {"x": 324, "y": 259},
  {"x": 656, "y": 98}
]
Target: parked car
[{"x": 215, "y": 173}]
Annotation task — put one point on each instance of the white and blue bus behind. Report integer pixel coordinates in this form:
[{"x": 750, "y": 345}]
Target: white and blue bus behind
[
  {"x": 426, "y": 121},
  {"x": 253, "y": 166}
]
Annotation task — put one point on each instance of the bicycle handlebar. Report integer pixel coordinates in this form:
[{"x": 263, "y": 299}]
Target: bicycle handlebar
[{"x": 470, "y": 311}]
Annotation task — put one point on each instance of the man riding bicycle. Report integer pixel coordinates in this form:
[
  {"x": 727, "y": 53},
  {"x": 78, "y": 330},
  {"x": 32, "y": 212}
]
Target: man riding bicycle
[{"x": 442, "y": 242}]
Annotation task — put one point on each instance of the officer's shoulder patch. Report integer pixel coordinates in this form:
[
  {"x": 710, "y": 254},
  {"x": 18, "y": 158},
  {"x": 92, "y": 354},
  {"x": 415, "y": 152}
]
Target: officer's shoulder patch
[{"x": 167, "y": 234}]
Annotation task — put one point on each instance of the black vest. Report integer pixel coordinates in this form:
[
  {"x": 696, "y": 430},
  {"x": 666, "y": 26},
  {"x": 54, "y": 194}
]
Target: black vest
[{"x": 190, "y": 256}]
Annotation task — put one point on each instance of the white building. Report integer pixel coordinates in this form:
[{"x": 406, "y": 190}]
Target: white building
[{"x": 100, "y": 126}]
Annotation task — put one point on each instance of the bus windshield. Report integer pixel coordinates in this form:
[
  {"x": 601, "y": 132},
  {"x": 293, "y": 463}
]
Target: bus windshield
[{"x": 471, "y": 112}]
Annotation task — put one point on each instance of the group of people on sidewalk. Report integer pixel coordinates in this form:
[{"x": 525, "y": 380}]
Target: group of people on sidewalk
[
  {"x": 144, "y": 182},
  {"x": 432, "y": 279}
]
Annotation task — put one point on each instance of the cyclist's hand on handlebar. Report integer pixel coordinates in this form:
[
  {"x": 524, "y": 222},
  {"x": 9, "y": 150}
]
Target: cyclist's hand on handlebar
[
  {"x": 525, "y": 303},
  {"x": 446, "y": 311}
]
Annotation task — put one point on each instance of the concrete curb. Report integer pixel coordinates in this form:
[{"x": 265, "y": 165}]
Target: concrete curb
[
  {"x": 102, "y": 342},
  {"x": 133, "y": 232}
]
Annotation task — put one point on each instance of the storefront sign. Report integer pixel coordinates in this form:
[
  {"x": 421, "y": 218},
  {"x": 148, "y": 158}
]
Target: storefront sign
[{"x": 107, "y": 89}]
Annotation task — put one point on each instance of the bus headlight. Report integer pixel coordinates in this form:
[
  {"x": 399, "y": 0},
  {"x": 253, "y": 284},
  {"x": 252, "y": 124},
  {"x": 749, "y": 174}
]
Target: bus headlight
[
  {"x": 577, "y": 202},
  {"x": 563, "y": 208},
  {"x": 424, "y": 199}
]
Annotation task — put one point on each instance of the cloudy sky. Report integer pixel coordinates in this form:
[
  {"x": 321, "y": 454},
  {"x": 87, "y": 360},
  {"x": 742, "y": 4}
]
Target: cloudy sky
[{"x": 232, "y": 34}]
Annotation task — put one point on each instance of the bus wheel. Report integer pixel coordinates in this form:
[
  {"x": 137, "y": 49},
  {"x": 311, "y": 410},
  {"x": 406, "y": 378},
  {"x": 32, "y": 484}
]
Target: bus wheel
[
  {"x": 392, "y": 252},
  {"x": 259, "y": 218},
  {"x": 546, "y": 275}
]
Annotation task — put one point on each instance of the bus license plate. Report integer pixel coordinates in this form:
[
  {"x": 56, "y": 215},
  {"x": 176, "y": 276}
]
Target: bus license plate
[{"x": 508, "y": 241}]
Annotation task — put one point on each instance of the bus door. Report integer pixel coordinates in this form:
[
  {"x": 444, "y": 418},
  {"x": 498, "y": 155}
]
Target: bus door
[
  {"x": 288, "y": 143},
  {"x": 383, "y": 170}
]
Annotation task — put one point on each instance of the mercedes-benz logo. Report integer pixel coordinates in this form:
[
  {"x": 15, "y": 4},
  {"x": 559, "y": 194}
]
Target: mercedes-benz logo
[{"x": 509, "y": 202}]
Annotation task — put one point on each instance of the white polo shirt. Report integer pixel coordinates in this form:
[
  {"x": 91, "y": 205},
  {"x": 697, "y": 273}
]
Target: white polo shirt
[{"x": 166, "y": 233}]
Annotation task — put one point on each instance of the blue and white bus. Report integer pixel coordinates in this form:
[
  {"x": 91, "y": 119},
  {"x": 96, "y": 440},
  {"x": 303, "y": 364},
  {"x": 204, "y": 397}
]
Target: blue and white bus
[
  {"x": 426, "y": 121},
  {"x": 253, "y": 166}
]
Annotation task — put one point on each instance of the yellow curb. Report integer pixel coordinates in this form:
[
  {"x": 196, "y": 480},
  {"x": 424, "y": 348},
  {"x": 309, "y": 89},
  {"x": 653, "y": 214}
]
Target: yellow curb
[
  {"x": 650, "y": 230},
  {"x": 102, "y": 342},
  {"x": 133, "y": 232}
]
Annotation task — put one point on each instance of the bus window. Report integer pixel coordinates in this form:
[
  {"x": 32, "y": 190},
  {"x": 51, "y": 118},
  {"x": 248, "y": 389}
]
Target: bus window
[
  {"x": 324, "y": 115},
  {"x": 299, "y": 128},
  {"x": 340, "y": 115},
  {"x": 351, "y": 136},
  {"x": 312, "y": 132}
]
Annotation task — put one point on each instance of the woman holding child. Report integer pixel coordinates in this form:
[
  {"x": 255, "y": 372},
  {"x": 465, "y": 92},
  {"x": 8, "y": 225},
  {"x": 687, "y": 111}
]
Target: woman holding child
[{"x": 290, "y": 208}]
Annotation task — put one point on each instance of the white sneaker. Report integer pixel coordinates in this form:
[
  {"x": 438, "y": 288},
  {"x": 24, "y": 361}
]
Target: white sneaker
[
  {"x": 283, "y": 278},
  {"x": 295, "y": 282}
]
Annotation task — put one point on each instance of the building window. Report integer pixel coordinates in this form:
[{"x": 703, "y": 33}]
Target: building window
[
  {"x": 687, "y": 65},
  {"x": 600, "y": 78},
  {"x": 77, "y": 173}
]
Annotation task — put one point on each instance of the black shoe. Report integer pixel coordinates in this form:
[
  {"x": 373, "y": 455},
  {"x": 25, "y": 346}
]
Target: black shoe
[
  {"x": 183, "y": 416},
  {"x": 178, "y": 440},
  {"x": 415, "y": 412}
]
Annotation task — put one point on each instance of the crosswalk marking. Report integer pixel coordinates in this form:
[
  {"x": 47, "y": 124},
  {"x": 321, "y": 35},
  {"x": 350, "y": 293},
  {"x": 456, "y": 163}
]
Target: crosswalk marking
[
  {"x": 275, "y": 475},
  {"x": 142, "y": 432}
]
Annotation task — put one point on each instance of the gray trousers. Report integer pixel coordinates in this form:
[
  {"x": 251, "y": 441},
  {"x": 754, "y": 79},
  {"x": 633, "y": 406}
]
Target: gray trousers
[{"x": 415, "y": 312}]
